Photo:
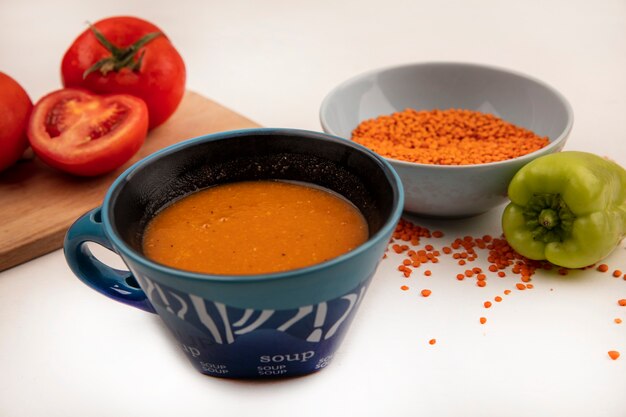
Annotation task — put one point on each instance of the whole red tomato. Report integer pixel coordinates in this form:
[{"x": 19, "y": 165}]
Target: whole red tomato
[
  {"x": 15, "y": 107},
  {"x": 127, "y": 55},
  {"x": 86, "y": 134}
]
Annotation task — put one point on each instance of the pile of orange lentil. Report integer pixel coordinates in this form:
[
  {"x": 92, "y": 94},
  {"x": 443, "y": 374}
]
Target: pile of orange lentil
[
  {"x": 501, "y": 257},
  {"x": 446, "y": 137}
]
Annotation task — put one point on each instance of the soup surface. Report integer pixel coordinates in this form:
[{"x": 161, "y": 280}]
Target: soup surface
[{"x": 254, "y": 227}]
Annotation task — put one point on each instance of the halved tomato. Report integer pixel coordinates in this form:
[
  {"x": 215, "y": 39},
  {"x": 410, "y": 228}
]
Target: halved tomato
[{"x": 85, "y": 134}]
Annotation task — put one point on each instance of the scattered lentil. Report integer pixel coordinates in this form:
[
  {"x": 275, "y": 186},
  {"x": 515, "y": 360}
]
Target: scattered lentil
[
  {"x": 613, "y": 354},
  {"x": 501, "y": 257},
  {"x": 432, "y": 341}
]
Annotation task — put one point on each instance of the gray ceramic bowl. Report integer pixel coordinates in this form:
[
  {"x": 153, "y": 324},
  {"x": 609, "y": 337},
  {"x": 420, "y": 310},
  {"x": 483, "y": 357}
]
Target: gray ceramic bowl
[{"x": 452, "y": 191}]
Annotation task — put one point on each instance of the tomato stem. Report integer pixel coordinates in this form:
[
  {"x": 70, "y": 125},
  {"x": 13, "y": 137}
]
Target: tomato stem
[{"x": 120, "y": 57}]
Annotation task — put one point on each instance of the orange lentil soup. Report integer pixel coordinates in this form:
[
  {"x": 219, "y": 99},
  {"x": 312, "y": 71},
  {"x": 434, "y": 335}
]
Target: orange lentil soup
[
  {"x": 254, "y": 227},
  {"x": 446, "y": 137}
]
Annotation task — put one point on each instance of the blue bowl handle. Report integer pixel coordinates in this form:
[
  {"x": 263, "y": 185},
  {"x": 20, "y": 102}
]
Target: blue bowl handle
[{"x": 114, "y": 283}]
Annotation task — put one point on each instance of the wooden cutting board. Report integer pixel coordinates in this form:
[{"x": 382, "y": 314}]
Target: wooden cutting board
[{"x": 38, "y": 203}]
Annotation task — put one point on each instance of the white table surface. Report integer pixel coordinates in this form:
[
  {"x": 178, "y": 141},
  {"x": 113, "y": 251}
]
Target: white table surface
[{"x": 67, "y": 351}]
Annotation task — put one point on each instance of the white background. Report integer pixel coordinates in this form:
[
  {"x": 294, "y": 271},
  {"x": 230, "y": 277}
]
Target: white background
[{"x": 67, "y": 351}]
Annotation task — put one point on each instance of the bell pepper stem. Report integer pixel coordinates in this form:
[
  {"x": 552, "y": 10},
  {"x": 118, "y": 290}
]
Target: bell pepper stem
[{"x": 548, "y": 218}]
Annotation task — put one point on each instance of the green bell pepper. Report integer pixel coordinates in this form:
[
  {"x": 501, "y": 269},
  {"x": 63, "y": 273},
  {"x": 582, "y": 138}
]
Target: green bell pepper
[{"x": 568, "y": 208}]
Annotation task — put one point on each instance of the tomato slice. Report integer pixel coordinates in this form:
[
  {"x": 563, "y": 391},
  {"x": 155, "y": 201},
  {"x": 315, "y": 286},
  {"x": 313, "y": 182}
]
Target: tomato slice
[{"x": 86, "y": 134}]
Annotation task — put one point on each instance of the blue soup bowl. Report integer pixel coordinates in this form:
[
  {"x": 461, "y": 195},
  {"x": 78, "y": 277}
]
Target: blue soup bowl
[{"x": 242, "y": 326}]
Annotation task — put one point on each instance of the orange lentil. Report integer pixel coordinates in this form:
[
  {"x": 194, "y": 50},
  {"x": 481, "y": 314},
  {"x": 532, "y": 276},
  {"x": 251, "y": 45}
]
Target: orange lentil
[
  {"x": 498, "y": 298},
  {"x": 481, "y": 283},
  {"x": 429, "y": 247},
  {"x": 426, "y": 293},
  {"x": 617, "y": 273},
  {"x": 493, "y": 268},
  {"x": 446, "y": 250},
  {"x": 427, "y": 273},
  {"x": 446, "y": 137},
  {"x": 432, "y": 341},
  {"x": 462, "y": 262},
  {"x": 530, "y": 286},
  {"x": 407, "y": 272},
  {"x": 483, "y": 320},
  {"x": 487, "y": 304},
  {"x": 507, "y": 292},
  {"x": 622, "y": 302},
  {"x": 520, "y": 286},
  {"x": 501, "y": 274},
  {"x": 618, "y": 320},
  {"x": 469, "y": 273},
  {"x": 460, "y": 277},
  {"x": 477, "y": 270},
  {"x": 437, "y": 233},
  {"x": 603, "y": 267},
  {"x": 613, "y": 354},
  {"x": 404, "y": 288},
  {"x": 406, "y": 262},
  {"x": 481, "y": 277}
]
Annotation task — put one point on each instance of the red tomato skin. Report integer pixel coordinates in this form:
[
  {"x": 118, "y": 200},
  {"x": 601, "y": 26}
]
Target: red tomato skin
[
  {"x": 113, "y": 150},
  {"x": 160, "y": 81},
  {"x": 15, "y": 108}
]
